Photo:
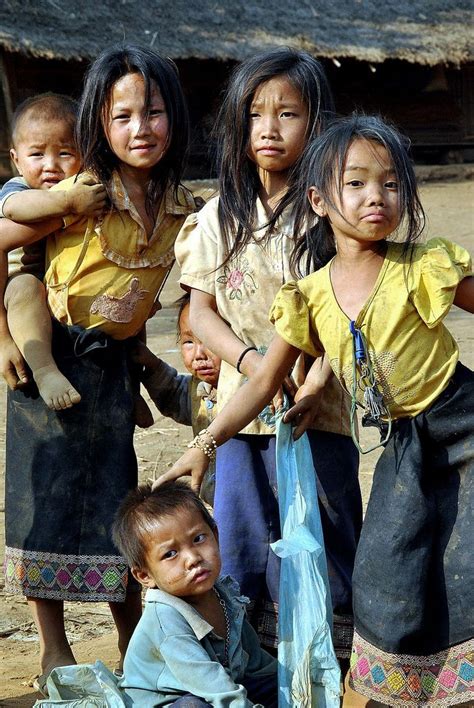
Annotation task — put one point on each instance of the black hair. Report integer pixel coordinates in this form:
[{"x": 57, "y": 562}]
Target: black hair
[
  {"x": 109, "y": 67},
  {"x": 322, "y": 167},
  {"x": 182, "y": 302},
  {"x": 238, "y": 178},
  {"x": 49, "y": 107},
  {"x": 140, "y": 511}
]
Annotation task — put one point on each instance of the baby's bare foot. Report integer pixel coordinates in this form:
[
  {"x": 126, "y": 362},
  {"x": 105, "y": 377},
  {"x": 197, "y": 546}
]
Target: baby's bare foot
[{"x": 54, "y": 388}]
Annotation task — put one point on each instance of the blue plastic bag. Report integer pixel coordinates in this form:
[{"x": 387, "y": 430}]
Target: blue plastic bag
[{"x": 308, "y": 671}]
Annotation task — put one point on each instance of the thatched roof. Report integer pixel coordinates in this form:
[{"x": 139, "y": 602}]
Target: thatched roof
[{"x": 420, "y": 31}]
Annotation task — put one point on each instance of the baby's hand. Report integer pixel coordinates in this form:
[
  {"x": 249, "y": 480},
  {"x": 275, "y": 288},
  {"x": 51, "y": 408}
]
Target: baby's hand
[
  {"x": 87, "y": 197},
  {"x": 12, "y": 364}
]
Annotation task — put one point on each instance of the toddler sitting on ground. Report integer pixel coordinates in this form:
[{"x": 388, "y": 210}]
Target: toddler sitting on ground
[{"x": 193, "y": 646}]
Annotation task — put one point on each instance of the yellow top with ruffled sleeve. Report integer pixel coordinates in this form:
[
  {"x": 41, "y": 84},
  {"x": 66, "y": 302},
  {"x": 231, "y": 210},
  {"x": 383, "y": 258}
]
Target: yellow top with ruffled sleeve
[
  {"x": 413, "y": 354},
  {"x": 106, "y": 273}
]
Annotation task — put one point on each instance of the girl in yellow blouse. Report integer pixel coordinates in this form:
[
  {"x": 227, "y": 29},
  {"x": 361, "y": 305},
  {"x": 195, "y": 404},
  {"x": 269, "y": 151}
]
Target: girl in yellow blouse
[
  {"x": 376, "y": 307},
  {"x": 68, "y": 470}
]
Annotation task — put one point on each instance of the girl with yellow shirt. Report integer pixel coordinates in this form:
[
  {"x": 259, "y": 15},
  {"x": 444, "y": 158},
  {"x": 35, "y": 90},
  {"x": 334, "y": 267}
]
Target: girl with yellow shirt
[
  {"x": 68, "y": 470},
  {"x": 376, "y": 307}
]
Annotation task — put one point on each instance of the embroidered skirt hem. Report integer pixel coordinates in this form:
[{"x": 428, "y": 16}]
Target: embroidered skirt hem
[
  {"x": 438, "y": 680},
  {"x": 53, "y": 576},
  {"x": 67, "y": 472}
]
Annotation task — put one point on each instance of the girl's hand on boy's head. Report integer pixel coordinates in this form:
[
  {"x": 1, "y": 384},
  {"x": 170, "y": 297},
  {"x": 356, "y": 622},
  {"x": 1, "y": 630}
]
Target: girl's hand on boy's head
[
  {"x": 193, "y": 463},
  {"x": 87, "y": 197},
  {"x": 12, "y": 364}
]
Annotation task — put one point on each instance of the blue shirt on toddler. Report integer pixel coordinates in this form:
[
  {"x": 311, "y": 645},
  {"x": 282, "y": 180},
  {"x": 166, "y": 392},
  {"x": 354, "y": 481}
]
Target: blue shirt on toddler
[{"x": 174, "y": 652}]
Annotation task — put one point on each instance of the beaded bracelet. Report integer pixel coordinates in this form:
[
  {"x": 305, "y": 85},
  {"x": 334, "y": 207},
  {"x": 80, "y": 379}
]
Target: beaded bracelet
[
  {"x": 208, "y": 446},
  {"x": 241, "y": 357}
]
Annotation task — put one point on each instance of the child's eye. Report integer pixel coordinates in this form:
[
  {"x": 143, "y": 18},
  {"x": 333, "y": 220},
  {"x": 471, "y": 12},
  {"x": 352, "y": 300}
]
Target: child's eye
[
  {"x": 254, "y": 114},
  {"x": 169, "y": 554},
  {"x": 288, "y": 114},
  {"x": 120, "y": 116},
  {"x": 66, "y": 153},
  {"x": 200, "y": 538},
  {"x": 355, "y": 183},
  {"x": 36, "y": 154},
  {"x": 156, "y": 111},
  {"x": 391, "y": 185}
]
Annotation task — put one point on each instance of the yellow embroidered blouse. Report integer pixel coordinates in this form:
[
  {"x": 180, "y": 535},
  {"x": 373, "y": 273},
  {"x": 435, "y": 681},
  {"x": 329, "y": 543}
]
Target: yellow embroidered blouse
[
  {"x": 244, "y": 290},
  {"x": 107, "y": 273},
  {"x": 413, "y": 354}
]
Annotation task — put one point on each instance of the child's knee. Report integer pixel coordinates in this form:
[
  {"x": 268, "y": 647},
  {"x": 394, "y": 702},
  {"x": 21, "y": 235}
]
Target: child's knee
[{"x": 23, "y": 289}]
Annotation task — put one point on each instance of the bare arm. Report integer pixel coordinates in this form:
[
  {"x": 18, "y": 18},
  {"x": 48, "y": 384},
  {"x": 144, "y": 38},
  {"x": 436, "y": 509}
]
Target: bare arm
[
  {"x": 308, "y": 397},
  {"x": 35, "y": 205},
  {"x": 249, "y": 400},
  {"x": 216, "y": 334},
  {"x": 12, "y": 364},
  {"x": 464, "y": 297},
  {"x": 14, "y": 235}
]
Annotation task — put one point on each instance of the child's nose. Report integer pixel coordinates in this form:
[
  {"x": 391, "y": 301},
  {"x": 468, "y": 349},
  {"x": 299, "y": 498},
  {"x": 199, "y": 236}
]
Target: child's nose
[
  {"x": 376, "y": 197},
  {"x": 193, "y": 558},
  {"x": 141, "y": 126},
  {"x": 200, "y": 351},
  {"x": 50, "y": 163},
  {"x": 269, "y": 127}
]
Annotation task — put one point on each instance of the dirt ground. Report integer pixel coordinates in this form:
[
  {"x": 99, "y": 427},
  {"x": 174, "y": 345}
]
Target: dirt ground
[{"x": 449, "y": 206}]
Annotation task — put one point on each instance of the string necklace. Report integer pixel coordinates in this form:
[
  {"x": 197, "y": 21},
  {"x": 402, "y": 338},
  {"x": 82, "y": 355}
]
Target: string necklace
[{"x": 227, "y": 627}]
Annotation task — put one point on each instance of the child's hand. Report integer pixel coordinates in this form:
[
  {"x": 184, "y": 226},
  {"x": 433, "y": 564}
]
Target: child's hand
[
  {"x": 305, "y": 411},
  {"x": 12, "y": 364},
  {"x": 87, "y": 197},
  {"x": 142, "y": 355},
  {"x": 193, "y": 463}
]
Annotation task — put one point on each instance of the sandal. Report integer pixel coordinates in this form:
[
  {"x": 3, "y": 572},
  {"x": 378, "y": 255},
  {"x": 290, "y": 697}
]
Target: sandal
[{"x": 39, "y": 684}]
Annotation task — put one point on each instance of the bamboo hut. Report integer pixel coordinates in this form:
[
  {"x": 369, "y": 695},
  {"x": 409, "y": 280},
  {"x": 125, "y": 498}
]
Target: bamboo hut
[{"x": 411, "y": 60}]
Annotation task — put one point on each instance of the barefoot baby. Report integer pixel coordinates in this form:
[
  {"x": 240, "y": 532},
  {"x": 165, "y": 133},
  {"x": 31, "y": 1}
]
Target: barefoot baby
[
  {"x": 193, "y": 646},
  {"x": 44, "y": 153}
]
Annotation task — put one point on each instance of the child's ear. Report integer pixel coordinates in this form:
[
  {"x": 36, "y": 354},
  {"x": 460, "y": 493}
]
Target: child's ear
[
  {"x": 14, "y": 159},
  {"x": 143, "y": 577},
  {"x": 317, "y": 202}
]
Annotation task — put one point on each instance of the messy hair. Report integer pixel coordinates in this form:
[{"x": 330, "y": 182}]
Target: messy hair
[
  {"x": 238, "y": 178},
  {"x": 109, "y": 67},
  {"x": 322, "y": 167},
  {"x": 48, "y": 107},
  {"x": 143, "y": 508}
]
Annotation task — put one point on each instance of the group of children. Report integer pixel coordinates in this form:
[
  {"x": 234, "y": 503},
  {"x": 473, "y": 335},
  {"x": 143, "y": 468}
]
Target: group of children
[{"x": 300, "y": 194}]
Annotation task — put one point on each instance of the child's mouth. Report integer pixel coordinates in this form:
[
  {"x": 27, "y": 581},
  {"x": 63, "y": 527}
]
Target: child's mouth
[{"x": 200, "y": 576}]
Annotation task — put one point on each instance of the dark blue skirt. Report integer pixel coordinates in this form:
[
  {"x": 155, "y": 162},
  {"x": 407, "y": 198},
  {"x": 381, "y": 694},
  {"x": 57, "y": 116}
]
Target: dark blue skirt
[
  {"x": 414, "y": 571},
  {"x": 66, "y": 473},
  {"x": 247, "y": 516}
]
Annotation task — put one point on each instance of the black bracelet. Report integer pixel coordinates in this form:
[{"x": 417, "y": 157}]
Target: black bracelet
[{"x": 240, "y": 359}]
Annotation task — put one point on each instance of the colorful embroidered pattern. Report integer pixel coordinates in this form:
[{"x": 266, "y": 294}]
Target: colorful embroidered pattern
[
  {"x": 60, "y": 577},
  {"x": 237, "y": 278},
  {"x": 442, "y": 679}
]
